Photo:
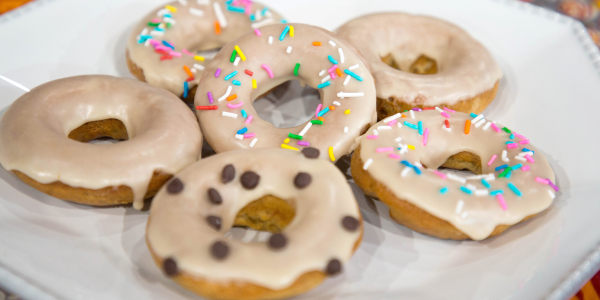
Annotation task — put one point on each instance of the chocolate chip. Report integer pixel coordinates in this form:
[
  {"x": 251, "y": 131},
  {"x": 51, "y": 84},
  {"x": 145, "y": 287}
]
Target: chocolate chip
[
  {"x": 334, "y": 266},
  {"x": 310, "y": 152},
  {"x": 214, "y": 222},
  {"x": 277, "y": 241},
  {"x": 249, "y": 180},
  {"x": 219, "y": 250},
  {"x": 175, "y": 186},
  {"x": 228, "y": 173},
  {"x": 302, "y": 180},
  {"x": 350, "y": 223},
  {"x": 214, "y": 197},
  {"x": 170, "y": 267}
]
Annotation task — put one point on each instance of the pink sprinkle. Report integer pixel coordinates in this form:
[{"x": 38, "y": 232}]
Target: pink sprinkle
[
  {"x": 185, "y": 51},
  {"x": 155, "y": 20},
  {"x": 372, "y": 137},
  {"x": 153, "y": 42},
  {"x": 175, "y": 53},
  {"x": 257, "y": 32},
  {"x": 501, "y": 201},
  {"x": 332, "y": 69},
  {"x": 235, "y": 105},
  {"x": 450, "y": 110},
  {"x": 496, "y": 129},
  {"x": 268, "y": 69},
  {"x": 445, "y": 114},
  {"x": 440, "y": 174},
  {"x": 525, "y": 168},
  {"x": 249, "y": 135},
  {"x": 519, "y": 136},
  {"x": 332, "y": 75},
  {"x": 492, "y": 159},
  {"x": 541, "y": 180},
  {"x": 249, "y": 119},
  {"x": 210, "y": 97},
  {"x": 425, "y": 136},
  {"x": 303, "y": 143},
  {"x": 217, "y": 72},
  {"x": 529, "y": 158},
  {"x": 394, "y": 156},
  {"x": 511, "y": 146},
  {"x": 162, "y": 48},
  {"x": 247, "y": 10},
  {"x": 318, "y": 110},
  {"x": 524, "y": 142},
  {"x": 392, "y": 122},
  {"x": 384, "y": 149}
]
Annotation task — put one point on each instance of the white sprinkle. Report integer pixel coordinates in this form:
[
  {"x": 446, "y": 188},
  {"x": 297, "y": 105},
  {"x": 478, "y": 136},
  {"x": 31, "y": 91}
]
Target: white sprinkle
[
  {"x": 257, "y": 15},
  {"x": 476, "y": 119},
  {"x": 403, "y": 149},
  {"x": 551, "y": 193},
  {"x": 226, "y": 94},
  {"x": 352, "y": 67},
  {"x": 375, "y": 132},
  {"x": 341, "y": 53},
  {"x": 199, "y": 67},
  {"x": 194, "y": 70},
  {"x": 471, "y": 187},
  {"x": 270, "y": 40},
  {"x": 229, "y": 114},
  {"x": 392, "y": 118},
  {"x": 161, "y": 12},
  {"x": 490, "y": 177},
  {"x": 384, "y": 127},
  {"x": 367, "y": 163},
  {"x": 398, "y": 139},
  {"x": 322, "y": 73},
  {"x": 147, "y": 43},
  {"x": 520, "y": 158},
  {"x": 268, "y": 14},
  {"x": 239, "y": 137},
  {"x": 345, "y": 129},
  {"x": 504, "y": 157},
  {"x": 332, "y": 43},
  {"x": 399, "y": 125},
  {"x": 157, "y": 33},
  {"x": 196, "y": 12},
  {"x": 203, "y": 2},
  {"x": 438, "y": 109},
  {"x": 262, "y": 23},
  {"x": 487, "y": 125},
  {"x": 288, "y": 50},
  {"x": 336, "y": 103},
  {"x": 343, "y": 95},
  {"x": 405, "y": 171},
  {"x": 237, "y": 61},
  {"x": 326, "y": 78},
  {"x": 219, "y": 14},
  {"x": 412, "y": 114},
  {"x": 418, "y": 164},
  {"x": 459, "y": 206},
  {"x": 253, "y": 142},
  {"x": 456, "y": 178},
  {"x": 305, "y": 129},
  {"x": 481, "y": 192},
  {"x": 443, "y": 127},
  {"x": 144, "y": 31},
  {"x": 475, "y": 177},
  {"x": 464, "y": 215},
  {"x": 347, "y": 80}
]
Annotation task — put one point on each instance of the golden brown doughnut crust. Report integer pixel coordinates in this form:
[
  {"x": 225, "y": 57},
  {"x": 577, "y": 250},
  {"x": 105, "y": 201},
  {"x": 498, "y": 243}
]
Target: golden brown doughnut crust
[
  {"x": 407, "y": 213},
  {"x": 393, "y": 105}
]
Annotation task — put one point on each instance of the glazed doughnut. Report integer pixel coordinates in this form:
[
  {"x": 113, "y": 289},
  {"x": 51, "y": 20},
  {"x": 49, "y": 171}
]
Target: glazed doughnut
[
  {"x": 274, "y": 55},
  {"x": 162, "y": 47},
  {"x": 398, "y": 161},
  {"x": 44, "y": 135},
  {"x": 421, "y": 61},
  {"x": 308, "y": 206}
]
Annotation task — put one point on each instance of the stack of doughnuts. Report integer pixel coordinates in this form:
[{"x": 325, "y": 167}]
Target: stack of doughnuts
[{"x": 434, "y": 159}]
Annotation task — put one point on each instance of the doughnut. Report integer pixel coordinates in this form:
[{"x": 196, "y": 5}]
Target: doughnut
[
  {"x": 269, "y": 57},
  {"x": 405, "y": 161},
  {"x": 44, "y": 135},
  {"x": 421, "y": 61},
  {"x": 162, "y": 48},
  {"x": 307, "y": 206}
]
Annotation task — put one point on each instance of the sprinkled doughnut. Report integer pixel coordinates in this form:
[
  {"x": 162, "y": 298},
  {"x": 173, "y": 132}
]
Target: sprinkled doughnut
[
  {"x": 162, "y": 47},
  {"x": 269, "y": 57},
  {"x": 421, "y": 61},
  {"x": 308, "y": 206},
  {"x": 44, "y": 135},
  {"x": 397, "y": 160}
]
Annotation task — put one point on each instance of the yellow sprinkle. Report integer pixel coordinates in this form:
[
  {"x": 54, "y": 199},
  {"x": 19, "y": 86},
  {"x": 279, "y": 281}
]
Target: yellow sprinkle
[
  {"x": 287, "y": 140},
  {"x": 291, "y": 31},
  {"x": 171, "y": 8},
  {"x": 347, "y": 111},
  {"x": 253, "y": 83},
  {"x": 240, "y": 53},
  {"x": 285, "y": 146},
  {"x": 331, "y": 156},
  {"x": 411, "y": 147},
  {"x": 199, "y": 58}
]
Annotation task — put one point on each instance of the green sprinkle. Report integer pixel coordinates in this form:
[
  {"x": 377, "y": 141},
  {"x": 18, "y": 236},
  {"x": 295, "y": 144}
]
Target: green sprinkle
[
  {"x": 506, "y": 130},
  {"x": 233, "y": 55},
  {"x": 169, "y": 25},
  {"x": 296, "y": 69},
  {"x": 294, "y": 136},
  {"x": 505, "y": 173},
  {"x": 152, "y": 24},
  {"x": 317, "y": 122}
]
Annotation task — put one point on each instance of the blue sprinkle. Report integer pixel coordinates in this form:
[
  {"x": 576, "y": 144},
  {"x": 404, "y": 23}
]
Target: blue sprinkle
[
  {"x": 284, "y": 32},
  {"x": 332, "y": 60},
  {"x": 243, "y": 130},
  {"x": 186, "y": 89},
  {"x": 509, "y": 142},
  {"x": 252, "y": 18},
  {"x": 244, "y": 113},
  {"x": 473, "y": 115},
  {"x": 420, "y": 126},
  {"x": 158, "y": 29},
  {"x": 516, "y": 167},
  {"x": 466, "y": 190},
  {"x": 168, "y": 15},
  {"x": 230, "y": 75},
  {"x": 417, "y": 170},
  {"x": 144, "y": 38},
  {"x": 283, "y": 21},
  {"x": 411, "y": 125},
  {"x": 527, "y": 150},
  {"x": 228, "y": 2},
  {"x": 496, "y": 192},
  {"x": 354, "y": 75},
  {"x": 511, "y": 136},
  {"x": 168, "y": 45},
  {"x": 324, "y": 84},
  {"x": 236, "y": 82},
  {"x": 236, "y": 9},
  {"x": 406, "y": 163},
  {"x": 264, "y": 11},
  {"x": 515, "y": 190},
  {"x": 485, "y": 183},
  {"x": 323, "y": 111},
  {"x": 444, "y": 190},
  {"x": 502, "y": 167}
]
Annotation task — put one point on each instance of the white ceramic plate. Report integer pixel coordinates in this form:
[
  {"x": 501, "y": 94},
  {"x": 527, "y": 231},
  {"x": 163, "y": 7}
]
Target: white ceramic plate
[{"x": 53, "y": 249}]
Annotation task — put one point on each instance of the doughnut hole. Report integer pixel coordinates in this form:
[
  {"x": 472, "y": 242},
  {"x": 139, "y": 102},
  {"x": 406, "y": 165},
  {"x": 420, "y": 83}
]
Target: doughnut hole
[
  {"x": 289, "y": 96},
  {"x": 463, "y": 161},
  {"x": 111, "y": 130},
  {"x": 422, "y": 65},
  {"x": 268, "y": 213}
]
